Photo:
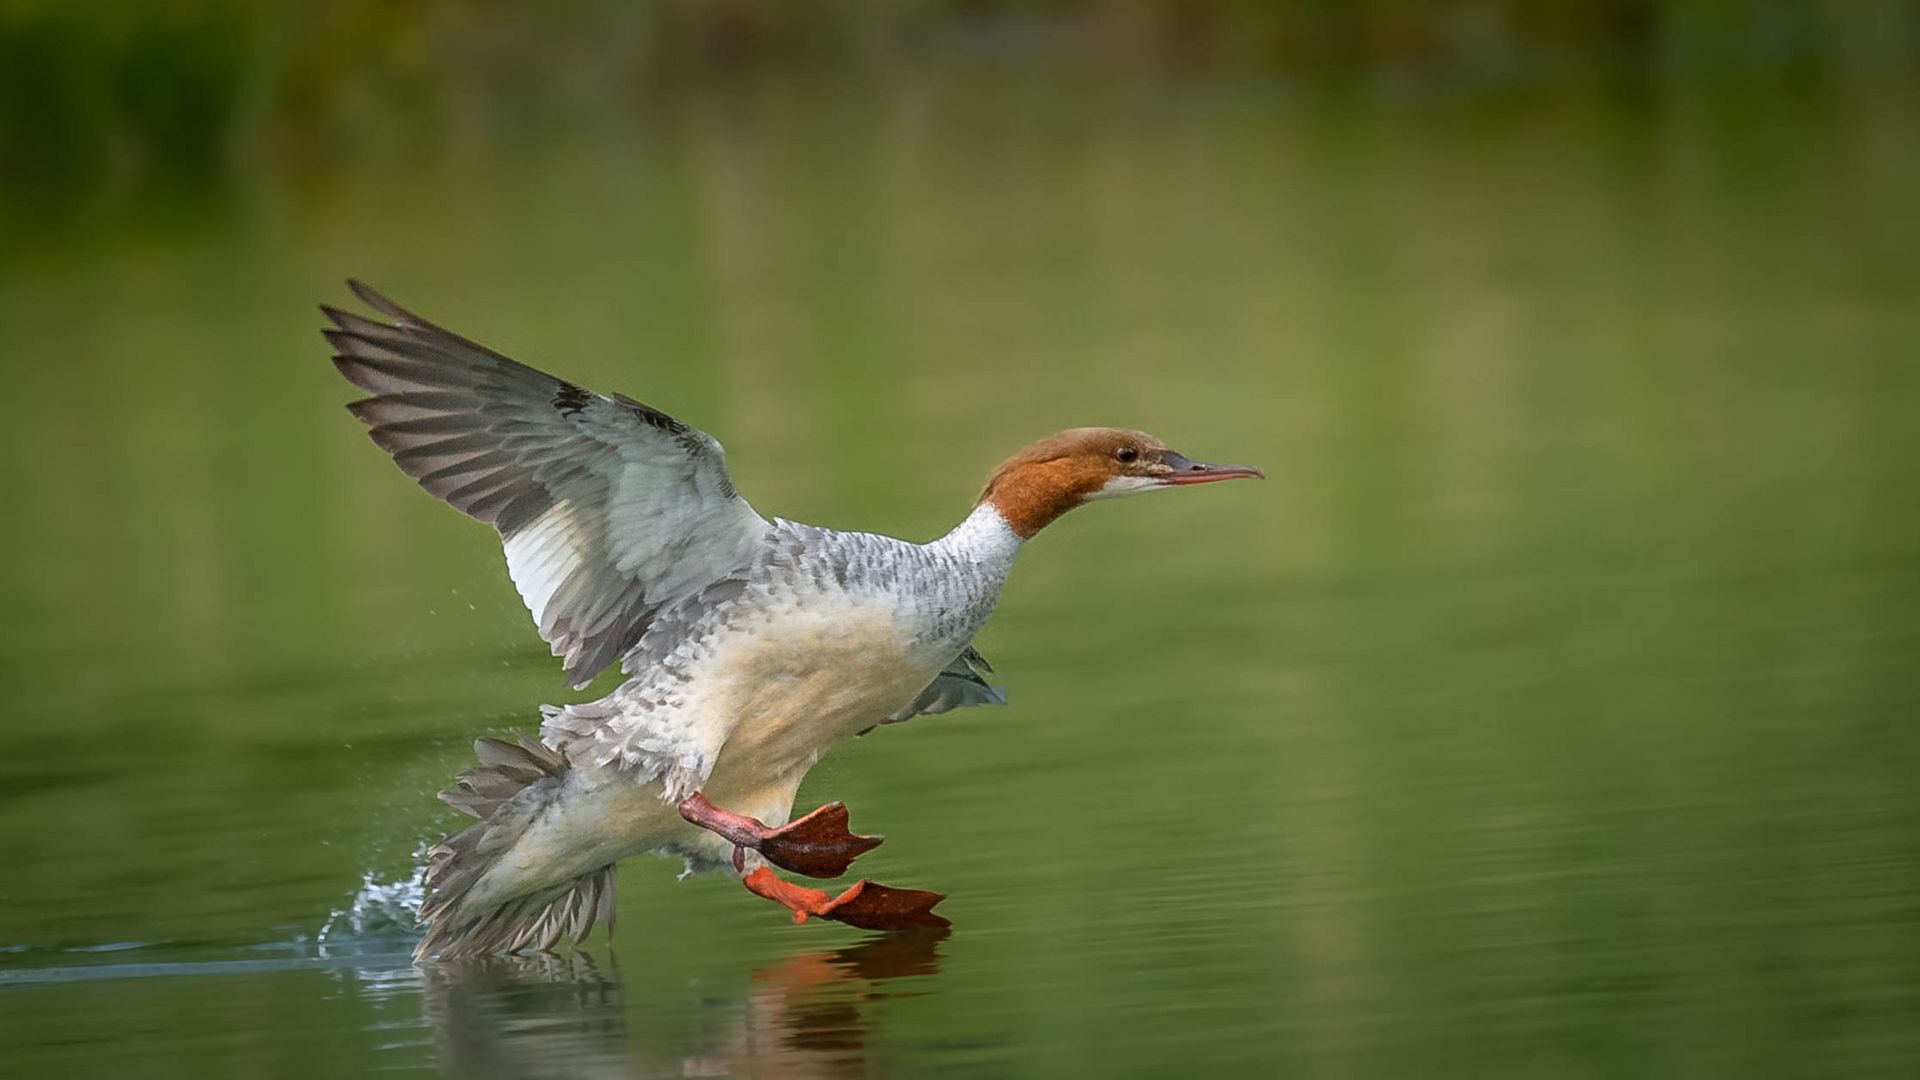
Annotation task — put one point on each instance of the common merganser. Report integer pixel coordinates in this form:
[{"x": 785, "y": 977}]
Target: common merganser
[{"x": 751, "y": 645}]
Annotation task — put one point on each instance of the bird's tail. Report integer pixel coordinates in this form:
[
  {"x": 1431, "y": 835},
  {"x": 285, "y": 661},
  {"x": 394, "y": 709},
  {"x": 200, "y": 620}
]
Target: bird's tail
[{"x": 513, "y": 784}]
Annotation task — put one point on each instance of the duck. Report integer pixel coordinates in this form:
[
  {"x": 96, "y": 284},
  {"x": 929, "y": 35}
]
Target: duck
[{"x": 750, "y": 645}]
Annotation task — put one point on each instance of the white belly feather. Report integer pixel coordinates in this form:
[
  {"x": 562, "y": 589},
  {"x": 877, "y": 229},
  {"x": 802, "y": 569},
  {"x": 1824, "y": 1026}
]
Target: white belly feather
[{"x": 795, "y": 683}]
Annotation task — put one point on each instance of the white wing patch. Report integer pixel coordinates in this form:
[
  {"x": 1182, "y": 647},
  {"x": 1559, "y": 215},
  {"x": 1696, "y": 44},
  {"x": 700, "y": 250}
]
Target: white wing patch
[{"x": 542, "y": 556}]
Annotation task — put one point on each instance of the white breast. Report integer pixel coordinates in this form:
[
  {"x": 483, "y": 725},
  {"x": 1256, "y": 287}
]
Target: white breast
[{"x": 803, "y": 676}]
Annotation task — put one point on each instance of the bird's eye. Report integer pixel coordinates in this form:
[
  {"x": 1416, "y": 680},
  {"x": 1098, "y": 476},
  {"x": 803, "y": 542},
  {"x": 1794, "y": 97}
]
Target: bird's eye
[{"x": 1126, "y": 453}]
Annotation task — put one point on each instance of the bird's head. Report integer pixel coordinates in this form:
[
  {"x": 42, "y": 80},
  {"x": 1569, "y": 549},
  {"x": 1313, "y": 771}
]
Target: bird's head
[{"x": 1079, "y": 465}]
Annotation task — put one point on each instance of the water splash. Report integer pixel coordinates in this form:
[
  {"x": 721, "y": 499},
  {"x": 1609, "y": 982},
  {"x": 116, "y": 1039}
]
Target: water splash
[{"x": 379, "y": 917}]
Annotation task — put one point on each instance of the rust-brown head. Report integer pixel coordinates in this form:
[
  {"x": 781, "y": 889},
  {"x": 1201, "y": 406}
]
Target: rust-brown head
[{"x": 1079, "y": 465}]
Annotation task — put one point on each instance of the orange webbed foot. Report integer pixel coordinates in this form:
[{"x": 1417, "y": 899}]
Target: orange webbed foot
[
  {"x": 818, "y": 845},
  {"x": 868, "y": 905}
]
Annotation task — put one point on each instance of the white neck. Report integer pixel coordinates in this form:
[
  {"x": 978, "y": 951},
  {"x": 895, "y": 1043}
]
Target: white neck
[
  {"x": 983, "y": 538},
  {"x": 970, "y": 567}
]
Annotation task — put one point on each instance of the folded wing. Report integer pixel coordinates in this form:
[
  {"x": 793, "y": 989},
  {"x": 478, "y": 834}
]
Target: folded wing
[
  {"x": 961, "y": 684},
  {"x": 608, "y": 508}
]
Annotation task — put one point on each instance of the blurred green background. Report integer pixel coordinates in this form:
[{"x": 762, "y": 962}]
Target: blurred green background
[{"x": 1549, "y": 711}]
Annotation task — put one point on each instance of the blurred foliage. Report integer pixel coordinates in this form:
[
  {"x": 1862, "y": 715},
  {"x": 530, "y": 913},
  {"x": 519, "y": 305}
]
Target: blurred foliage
[{"x": 192, "y": 93}]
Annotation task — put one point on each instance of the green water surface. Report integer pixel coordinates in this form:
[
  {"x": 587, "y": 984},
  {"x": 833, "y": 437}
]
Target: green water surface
[{"x": 1550, "y": 710}]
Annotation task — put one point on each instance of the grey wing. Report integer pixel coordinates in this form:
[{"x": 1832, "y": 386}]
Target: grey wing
[
  {"x": 608, "y": 508},
  {"x": 960, "y": 684}
]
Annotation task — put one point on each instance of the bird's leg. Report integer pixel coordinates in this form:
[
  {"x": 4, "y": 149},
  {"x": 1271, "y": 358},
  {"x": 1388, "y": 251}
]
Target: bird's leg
[
  {"x": 868, "y": 905},
  {"x": 818, "y": 845}
]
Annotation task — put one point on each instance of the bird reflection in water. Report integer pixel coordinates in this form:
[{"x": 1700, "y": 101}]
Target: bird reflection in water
[{"x": 565, "y": 1015}]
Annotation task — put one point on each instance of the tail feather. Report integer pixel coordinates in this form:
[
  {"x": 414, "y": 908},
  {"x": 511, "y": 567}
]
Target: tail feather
[
  {"x": 505, "y": 769},
  {"x": 540, "y": 921},
  {"x": 506, "y": 791}
]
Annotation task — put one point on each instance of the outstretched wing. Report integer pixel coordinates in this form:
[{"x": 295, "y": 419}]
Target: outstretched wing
[
  {"x": 959, "y": 685},
  {"x": 607, "y": 508}
]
